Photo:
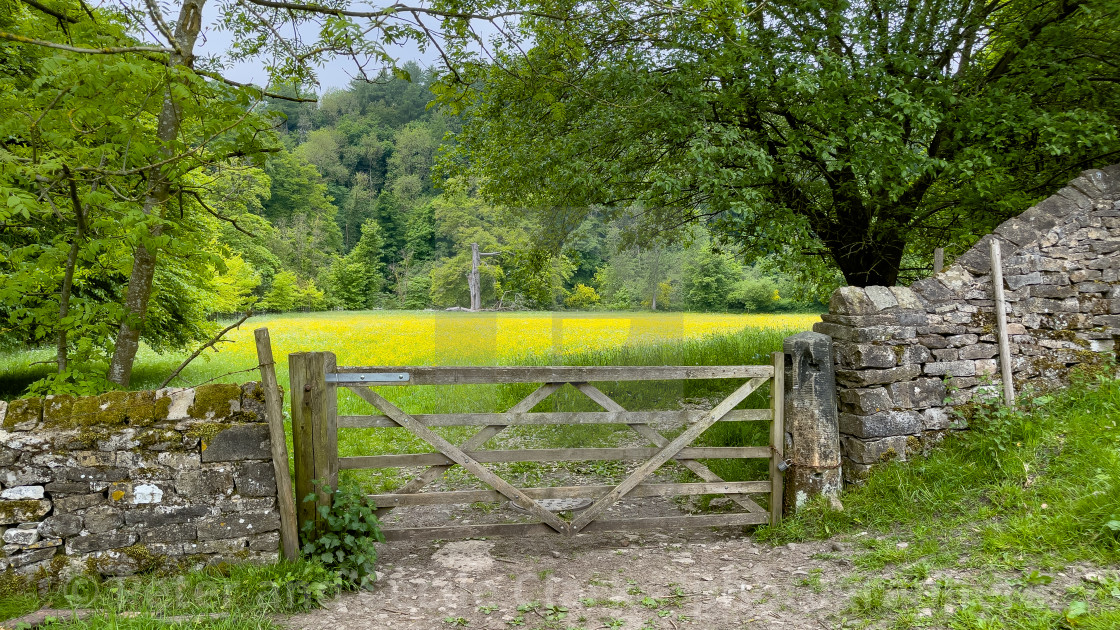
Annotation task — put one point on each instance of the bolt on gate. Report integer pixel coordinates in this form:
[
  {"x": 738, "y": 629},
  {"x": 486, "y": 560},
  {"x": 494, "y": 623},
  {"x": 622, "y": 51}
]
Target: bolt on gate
[{"x": 315, "y": 380}]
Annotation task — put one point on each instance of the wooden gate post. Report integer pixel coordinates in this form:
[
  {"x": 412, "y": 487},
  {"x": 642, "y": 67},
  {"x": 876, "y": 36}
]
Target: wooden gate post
[
  {"x": 314, "y": 429},
  {"x": 812, "y": 420},
  {"x": 777, "y": 436}
]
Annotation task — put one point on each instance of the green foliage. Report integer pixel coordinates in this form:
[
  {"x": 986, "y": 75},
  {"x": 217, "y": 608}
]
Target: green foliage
[
  {"x": 906, "y": 131},
  {"x": 281, "y": 296},
  {"x": 582, "y": 297},
  {"x": 344, "y": 536}
]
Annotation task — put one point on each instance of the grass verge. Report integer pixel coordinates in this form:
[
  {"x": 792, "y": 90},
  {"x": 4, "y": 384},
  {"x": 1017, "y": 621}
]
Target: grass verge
[{"x": 1027, "y": 492}]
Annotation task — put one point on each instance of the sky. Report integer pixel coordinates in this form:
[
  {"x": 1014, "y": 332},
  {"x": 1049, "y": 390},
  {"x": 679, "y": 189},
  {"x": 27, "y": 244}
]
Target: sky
[{"x": 336, "y": 74}]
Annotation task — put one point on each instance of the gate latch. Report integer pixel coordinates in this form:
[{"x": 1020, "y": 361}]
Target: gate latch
[
  {"x": 366, "y": 378},
  {"x": 784, "y": 465}
]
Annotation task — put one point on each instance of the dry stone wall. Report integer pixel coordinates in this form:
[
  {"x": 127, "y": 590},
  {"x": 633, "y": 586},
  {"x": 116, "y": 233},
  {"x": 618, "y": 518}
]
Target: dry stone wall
[
  {"x": 131, "y": 481},
  {"x": 904, "y": 355}
]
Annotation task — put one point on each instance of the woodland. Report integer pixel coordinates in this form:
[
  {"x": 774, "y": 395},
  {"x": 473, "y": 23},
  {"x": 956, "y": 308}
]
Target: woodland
[{"x": 639, "y": 155}]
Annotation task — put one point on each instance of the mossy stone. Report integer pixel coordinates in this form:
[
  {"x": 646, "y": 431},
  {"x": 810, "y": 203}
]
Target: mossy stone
[
  {"x": 57, "y": 409},
  {"x": 23, "y": 410},
  {"x": 113, "y": 409},
  {"x": 215, "y": 402}
]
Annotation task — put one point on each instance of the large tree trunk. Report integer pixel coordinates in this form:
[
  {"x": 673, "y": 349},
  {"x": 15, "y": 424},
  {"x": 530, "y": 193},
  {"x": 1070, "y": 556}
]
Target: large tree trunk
[
  {"x": 865, "y": 249},
  {"x": 159, "y": 190}
]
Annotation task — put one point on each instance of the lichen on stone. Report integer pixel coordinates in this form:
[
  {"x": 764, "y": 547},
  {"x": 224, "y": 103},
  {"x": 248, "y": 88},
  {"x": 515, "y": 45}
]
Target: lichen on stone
[
  {"x": 23, "y": 410},
  {"x": 213, "y": 402},
  {"x": 117, "y": 408},
  {"x": 206, "y": 431},
  {"x": 57, "y": 409}
]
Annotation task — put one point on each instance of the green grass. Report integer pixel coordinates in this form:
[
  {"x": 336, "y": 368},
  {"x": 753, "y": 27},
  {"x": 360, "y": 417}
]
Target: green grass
[
  {"x": 248, "y": 595},
  {"x": 1024, "y": 491}
]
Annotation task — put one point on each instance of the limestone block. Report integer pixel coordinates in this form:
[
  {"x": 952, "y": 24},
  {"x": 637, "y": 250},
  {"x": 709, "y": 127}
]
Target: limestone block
[
  {"x": 174, "y": 533},
  {"x": 864, "y": 378},
  {"x": 882, "y": 424},
  {"x": 237, "y": 525},
  {"x": 30, "y": 558},
  {"x": 239, "y": 442},
  {"x": 24, "y": 476},
  {"x": 64, "y": 505},
  {"x": 866, "y": 401},
  {"x": 94, "y": 473},
  {"x": 914, "y": 354},
  {"x": 906, "y": 298},
  {"x": 181, "y": 400},
  {"x": 23, "y": 534},
  {"x": 932, "y": 291},
  {"x": 252, "y": 402},
  {"x": 215, "y": 402},
  {"x": 165, "y": 515},
  {"x": 1052, "y": 291},
  {"x": 959, "y": 341},
  {"x": 23, "y": 511},
  {"x": 22, "y": 492},
  {"x": 918, "y": 394},
  {"x": 946, "y": 354},
  {"x": 861, "y": 355},
  {"x": 60, "y": 526},
  {"x": 99, "y": 542},
  {"x": 239, "y": 504},
  {"x": 228, "y": 546},
  {"x": 851, "y": 301},
  {"x": 265, "y": 542},
  {"x": 979, "y": 351},
  {"x": 197, "y": 484},
  {"x": 129, "y": 493},
  {"x": 935, "y": 418},
  {"x": 23, "y": 414},
  {"x": 874, "y": 451},
  {"x": 102, "y": 518},
  {"x": 255, "y": 479},
  {"x": 882, "y": 297},
  {"x": 951, "y": 368},
  {"x": 1018, "y": 282}
]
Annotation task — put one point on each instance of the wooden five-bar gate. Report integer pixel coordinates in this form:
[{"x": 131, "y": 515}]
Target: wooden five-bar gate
[{"x": 315, "y": 379}]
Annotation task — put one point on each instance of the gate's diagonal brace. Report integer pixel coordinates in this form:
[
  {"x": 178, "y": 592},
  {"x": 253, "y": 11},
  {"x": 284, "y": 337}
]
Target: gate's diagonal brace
[
  {"x": 648, "y": 432},
  {"x": 477, "y": 440},
  {"x": 455, "y": 454},
  {"x": 665, "y": 454}
]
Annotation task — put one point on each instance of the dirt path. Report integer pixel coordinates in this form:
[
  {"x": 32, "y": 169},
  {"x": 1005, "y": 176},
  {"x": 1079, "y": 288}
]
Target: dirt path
[{"x": 689, "y": 579}]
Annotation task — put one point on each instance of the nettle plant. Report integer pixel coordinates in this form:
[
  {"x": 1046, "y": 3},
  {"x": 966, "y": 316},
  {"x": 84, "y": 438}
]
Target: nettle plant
[{"x": 344, "y": 538}]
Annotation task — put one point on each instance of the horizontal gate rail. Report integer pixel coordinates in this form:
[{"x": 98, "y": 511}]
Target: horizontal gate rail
[
  {"x": 552, "y": 455},
  {"x": 556, "y": 417},
  {"x": 548, "y": 374},
  {"x": 315, "y": 423},
  {"x": 570, "y": 492},
  {"x": 600, "y": 525}
]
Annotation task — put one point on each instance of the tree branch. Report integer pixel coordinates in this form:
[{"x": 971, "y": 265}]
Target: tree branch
[
  {"x": 218, "y": 77},
  {"x": 208, "y": 344},
  {"x": 218, "y": 215},
  {"x": 395, "y": 9},
  {"x": 89, "y": 51},
  {"x": 49, "y": 11}
]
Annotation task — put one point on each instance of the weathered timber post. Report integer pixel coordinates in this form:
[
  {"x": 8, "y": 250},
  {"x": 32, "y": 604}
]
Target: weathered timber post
[
  {"x": 314, "y": 429},
  {"x": 811, "y": 419}
]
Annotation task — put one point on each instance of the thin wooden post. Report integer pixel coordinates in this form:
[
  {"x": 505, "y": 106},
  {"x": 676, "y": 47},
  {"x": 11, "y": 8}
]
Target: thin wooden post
[
  {"x": 274, "y": 410},
  {"x": 938, "y": 260},
  {"x": 303, "y": 444},
  {"x": 777, "y": 436},
  {"x": 1001, "y": 324}
]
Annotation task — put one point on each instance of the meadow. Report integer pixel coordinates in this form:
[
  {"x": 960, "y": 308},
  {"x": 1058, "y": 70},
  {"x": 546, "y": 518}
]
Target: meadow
[{"x": 514, "y": 338}]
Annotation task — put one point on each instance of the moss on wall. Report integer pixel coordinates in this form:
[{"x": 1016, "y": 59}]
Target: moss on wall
[
  {"x": 212, "y": 402},
  {"x": 23, "y": 410}
]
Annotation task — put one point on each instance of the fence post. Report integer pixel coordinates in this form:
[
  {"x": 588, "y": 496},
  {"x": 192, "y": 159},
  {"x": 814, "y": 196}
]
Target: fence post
[
  {"x": 777, "y": 436},
  {"x": 811, "y": 419},
  {"x": 274, "y": 405},
  {"x": 314, "y": 428},
  {"x": 302, "y": 443}
]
